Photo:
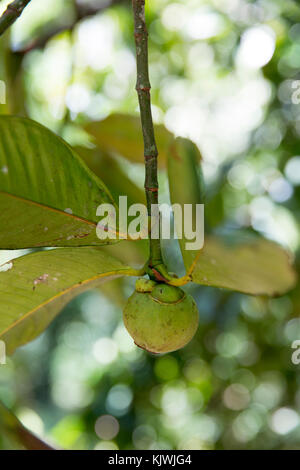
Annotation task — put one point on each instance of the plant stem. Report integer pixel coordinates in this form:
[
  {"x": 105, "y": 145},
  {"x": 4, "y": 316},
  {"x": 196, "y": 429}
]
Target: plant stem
[
  {"x": 156, "y": 267},
  {"x": 13, "y": 11},
  {"x": 150, "y": 149}
]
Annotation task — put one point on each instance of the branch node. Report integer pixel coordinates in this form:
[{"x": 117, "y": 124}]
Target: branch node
[
  {"x": 152, "y": 190},
  {"x": 142, "y": 88},
  {"x": 17, "y": 10},
  {"x": 12, "y": 12}
]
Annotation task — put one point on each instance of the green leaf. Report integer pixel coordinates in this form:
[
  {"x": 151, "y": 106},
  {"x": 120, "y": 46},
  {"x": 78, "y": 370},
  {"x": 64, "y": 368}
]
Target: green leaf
[
  {"x": 186, "y": 186},
  {"x": 35, "y": 287},
  {"x": 48, "y": 196},
  {"x": 258, "y": 267},
  {"x": 122, "y": 134},
  {"x": 134, "y": 253},
  {"x": 255, "y": 267},
  {"x": 108, "y": 169}
]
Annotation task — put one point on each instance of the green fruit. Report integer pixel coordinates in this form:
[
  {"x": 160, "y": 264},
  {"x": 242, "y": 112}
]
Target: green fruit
[{"x": 162, "y": 320}]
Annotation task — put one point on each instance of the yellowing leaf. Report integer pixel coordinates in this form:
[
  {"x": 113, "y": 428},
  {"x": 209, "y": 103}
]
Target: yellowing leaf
[{"x": 258, "y": 267}]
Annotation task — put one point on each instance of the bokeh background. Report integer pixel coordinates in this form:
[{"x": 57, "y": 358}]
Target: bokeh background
[{"x": 225, "y": 74}]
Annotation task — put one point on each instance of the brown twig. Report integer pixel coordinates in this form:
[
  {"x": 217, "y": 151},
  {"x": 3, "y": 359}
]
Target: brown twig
[
  {"x": 11, "y": 14},
  {"x": 82, "y": 12}
]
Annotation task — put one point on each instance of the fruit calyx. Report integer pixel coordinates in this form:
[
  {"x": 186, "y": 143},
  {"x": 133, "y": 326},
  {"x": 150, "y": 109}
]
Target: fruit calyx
[
  {"x": 159, "y": 292},
  {"x": 166, "y": 294}
]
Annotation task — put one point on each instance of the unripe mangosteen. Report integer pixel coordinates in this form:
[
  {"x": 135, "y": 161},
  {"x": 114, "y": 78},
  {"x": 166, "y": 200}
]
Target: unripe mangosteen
[{"x": 159, "y": 317}]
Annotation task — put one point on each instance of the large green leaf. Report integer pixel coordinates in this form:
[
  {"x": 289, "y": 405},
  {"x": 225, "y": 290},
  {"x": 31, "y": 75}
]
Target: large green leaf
[
  {"x": 254, "y": 267},
  {"x": 48, "y": 196},
  {"x": 35, "y": 287},
  {"x": 186, "y": 187},
  {"x": 108, "y": 169},
  {"x": 122, "y": 133},
  {"x": 258, "y": 267},
  {"x": 135, "y": 254}
]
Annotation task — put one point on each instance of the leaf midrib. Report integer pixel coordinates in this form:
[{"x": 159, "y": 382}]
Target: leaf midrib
[{"x": 53, "y": 209}]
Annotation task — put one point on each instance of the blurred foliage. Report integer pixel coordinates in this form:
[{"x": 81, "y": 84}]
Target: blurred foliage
[{"x": 224, "y": 74}]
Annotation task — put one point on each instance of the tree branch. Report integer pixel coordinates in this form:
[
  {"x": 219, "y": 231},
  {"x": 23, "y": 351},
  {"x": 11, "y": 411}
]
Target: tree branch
[
  {"x": 82, "y": 12},
  {"x": 150, "y": 149},
  {"x": 156, "y": 267},
  {"x": 11, "y": 14}
]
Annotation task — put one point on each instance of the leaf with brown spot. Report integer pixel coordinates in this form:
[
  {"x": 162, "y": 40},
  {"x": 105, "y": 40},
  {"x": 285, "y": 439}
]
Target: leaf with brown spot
[{"x": 40, "y": 284}]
